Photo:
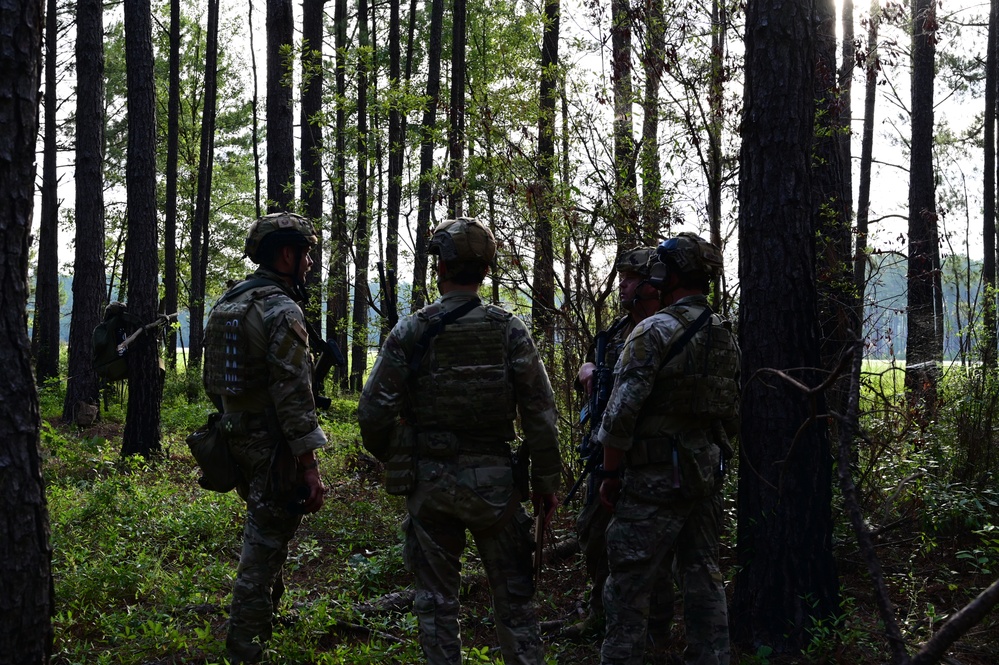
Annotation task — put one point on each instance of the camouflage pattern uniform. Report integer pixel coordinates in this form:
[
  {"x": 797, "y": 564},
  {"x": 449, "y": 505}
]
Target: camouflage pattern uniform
[
  {"x": 464, "y": 476},
  {"x": 277, "y": 376},
  {"x": 591, "y": 529},
  {"x": 688, "y": 405}
]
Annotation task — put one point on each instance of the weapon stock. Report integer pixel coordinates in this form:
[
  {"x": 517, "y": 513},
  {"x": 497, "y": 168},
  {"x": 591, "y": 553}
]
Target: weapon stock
[{"x": 329, "y": 355}]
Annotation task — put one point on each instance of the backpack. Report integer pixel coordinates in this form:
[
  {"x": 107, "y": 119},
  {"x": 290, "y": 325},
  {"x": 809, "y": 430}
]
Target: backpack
[{"x": 109, "y": 333}]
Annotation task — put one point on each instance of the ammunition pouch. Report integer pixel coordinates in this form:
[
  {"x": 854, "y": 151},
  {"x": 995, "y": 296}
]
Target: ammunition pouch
[
  {"x": 437, "y": 444},
  {"x": 695, "y": 462},
  {"x": 401, "y": 458},
  {"x": 219, "y": 471}
]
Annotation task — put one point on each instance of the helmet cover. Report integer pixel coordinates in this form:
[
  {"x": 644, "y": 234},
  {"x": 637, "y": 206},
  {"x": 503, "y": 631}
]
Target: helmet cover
[
  {"x": 287, "y": 228},
  {"x": 463, "y": 239}
]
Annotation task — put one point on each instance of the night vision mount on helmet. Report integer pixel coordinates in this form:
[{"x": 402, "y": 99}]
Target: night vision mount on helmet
[
  {"x": 463, "y": 239},
  {"x": 282, "y": 228},
  {"x": 686, "y": 253}
]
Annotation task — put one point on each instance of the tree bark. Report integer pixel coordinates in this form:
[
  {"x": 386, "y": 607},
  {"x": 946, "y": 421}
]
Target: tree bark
[
  {"x": 338, "y": 298},
  {"x": 425, "y": 191},
  {"x": 396, "y": 139},
  {"x": 312, "y": 146},
  {"x": 543, "y": 287},
  {"x": 45, "y": 339},
  {"x": 280, "y": 118},
  {"x": 89, "y": 281},
  {"x": 625, "y": 189},
  {"x": 456, "y": 113},
  {"x": 922, "y": 341},
  {"x": 359, "y": 314},
  {"x": 200, "y": 227},
  {"x": 145, "y": 378},
  {"x": 170, "y": 295},
  {"x": 652, "y": 185},
  {"x": 26, "y": 593},
  {"x": 988, "y": 342},
  {"x": 787, "y": 573}
]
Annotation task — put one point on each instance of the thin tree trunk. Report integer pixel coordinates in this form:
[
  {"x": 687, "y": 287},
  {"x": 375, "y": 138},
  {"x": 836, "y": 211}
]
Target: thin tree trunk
[
  {"x": 652, "y": 186},
  {"x": 26, "y": 591},
  {"x": 543, "y": 287},
  {"x": 145, "y": 379},
  {"x": 425, "y": 191},
  {"x": 716, "y": 104},
  {"x": 170, "y": 296},
  {"x": 396, "y": 138},
  {"x": 922, "y": 342},
  {"x": 456, "y": 113},
  {"x": 866, "y": 158},
  {"x": 625, "y": 190},
  {"x": 200, "y": 227},
  {"x": 256, "y": 115},
  {"x": 89, "y": 281},
  {"x": 338, "y": 297},
  {"x": 312, "y": 145},
  {"x": 280, "y": 119},
  {"x": 359, "y": 315},
  {"x": 988, "y": 342},
  {"x": 45, "y": 340}
]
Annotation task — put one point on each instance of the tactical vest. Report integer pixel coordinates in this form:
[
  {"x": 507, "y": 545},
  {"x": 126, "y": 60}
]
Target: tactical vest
[
  {"x": 230, "y": 369},
  {"x": 465, "y": 383},
  {"x": 702, "y": 382}
]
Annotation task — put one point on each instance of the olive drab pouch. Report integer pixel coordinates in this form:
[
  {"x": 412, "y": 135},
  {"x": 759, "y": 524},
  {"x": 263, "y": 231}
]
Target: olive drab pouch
[
  {"x": 219, "y": 471},
  {"x": 699, "y": 461},
  {"x": 400, "y": 467}
]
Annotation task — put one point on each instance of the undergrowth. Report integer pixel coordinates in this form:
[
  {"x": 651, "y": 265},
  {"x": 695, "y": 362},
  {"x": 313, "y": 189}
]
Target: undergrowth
[{"x": 144, "y": 560}]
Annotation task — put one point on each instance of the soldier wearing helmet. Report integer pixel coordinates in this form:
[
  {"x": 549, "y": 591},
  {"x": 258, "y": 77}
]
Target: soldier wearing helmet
[
  {"x": 258, "y": 371},
  {"x": 439, "y": 407},
  {"x": 666, "y": 432},
  {"x": 639, "y": 300}
]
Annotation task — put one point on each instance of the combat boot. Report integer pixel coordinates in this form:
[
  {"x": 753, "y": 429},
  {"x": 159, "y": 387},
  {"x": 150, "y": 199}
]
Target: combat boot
[{"x": 590, "y": 628}]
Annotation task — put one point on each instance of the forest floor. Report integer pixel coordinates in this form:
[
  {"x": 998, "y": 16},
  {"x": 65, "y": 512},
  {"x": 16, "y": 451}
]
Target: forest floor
[{"x": 143, "y": 565}]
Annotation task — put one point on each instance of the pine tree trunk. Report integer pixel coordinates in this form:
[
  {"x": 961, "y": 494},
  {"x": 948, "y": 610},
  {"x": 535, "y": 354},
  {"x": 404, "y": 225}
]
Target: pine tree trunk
[
  {"x": 280, "y": 118},
  {"x": 988, "y": 342},
  {"x": 45, "y": 339},
  {"x": 312, "y": 145},
  {"x": 170, "y": 294},
  {"x": 786, "y": 571},
  {"x": 359, "y": 314},
  {"x": 145, "y": 378},
  {"x": 26, "y": 593},
  {"x": 89, "y": 280}
]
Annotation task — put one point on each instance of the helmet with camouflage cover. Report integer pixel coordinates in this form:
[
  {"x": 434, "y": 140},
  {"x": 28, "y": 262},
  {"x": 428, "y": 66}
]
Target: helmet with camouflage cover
[
  {"x": 635, "y": 260},
  {"x": 277, "y": 230},
  {"x": 463, "y": 239},
  {"x": 686, "y": 253}
]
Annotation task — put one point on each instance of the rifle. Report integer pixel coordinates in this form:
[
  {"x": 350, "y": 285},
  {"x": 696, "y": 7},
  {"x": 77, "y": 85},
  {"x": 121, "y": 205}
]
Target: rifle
[
  {"x": 329, "y": 355},
  {"x": 590, "y": 452}
]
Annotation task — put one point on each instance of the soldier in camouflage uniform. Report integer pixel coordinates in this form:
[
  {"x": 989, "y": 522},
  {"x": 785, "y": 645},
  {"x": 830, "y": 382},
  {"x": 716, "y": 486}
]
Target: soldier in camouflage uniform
[
  {"x": 640, "y": 300},
  {"x": 674, "y": 406},
  {"x": 258, "y": 369},
  {"x": 451, "y": 395}
]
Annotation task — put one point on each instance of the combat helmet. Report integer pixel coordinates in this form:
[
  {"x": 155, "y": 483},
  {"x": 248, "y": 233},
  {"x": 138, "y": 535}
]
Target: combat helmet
[
  {"x": 635, "y": 260},
  {"x": 463, "y": 239},
  {"x": 686, "y": 253},
  {"x": 279, "y": 228}
]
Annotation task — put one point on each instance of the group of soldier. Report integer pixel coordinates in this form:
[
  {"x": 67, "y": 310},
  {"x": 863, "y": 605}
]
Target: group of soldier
[{"x": 439, "y": 408}]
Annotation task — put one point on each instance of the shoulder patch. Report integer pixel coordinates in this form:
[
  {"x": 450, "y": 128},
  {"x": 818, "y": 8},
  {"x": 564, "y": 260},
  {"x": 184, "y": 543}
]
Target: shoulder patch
[
  {"x": 641, "y": 328},
  {"x": 299, "y": 330}
]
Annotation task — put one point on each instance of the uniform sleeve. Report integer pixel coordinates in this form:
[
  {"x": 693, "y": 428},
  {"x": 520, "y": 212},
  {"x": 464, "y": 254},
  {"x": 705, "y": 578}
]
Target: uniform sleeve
[
  {"x": 634, "y": 376},
  {"x": 289, "y": 366},
  {"x": 384, "y": 392},
  {"x": 536, "y": 406}
]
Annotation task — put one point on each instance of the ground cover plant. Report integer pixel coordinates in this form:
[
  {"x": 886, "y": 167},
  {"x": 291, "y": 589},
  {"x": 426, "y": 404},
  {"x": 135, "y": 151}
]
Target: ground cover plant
[{"x": 143, "y": 559}]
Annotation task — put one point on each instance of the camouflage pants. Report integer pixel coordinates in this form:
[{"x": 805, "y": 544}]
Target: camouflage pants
[
  {"x": 477, "y": 494},
  {"x": 266, "y": 532},
  {"x": 591, "y": 529},
  {"x": 639, "y": 537}
]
